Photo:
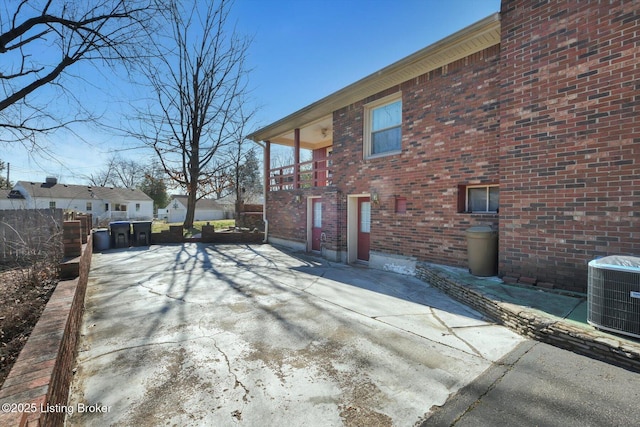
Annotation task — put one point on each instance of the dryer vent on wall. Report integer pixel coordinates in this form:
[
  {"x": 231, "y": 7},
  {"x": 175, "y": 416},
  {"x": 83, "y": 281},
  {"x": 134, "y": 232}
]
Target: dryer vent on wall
[{"x": 613, "y": 295}]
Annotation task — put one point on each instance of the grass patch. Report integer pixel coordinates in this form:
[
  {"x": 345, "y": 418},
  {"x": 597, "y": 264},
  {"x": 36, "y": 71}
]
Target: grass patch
[{"x": 221, "y": 224}]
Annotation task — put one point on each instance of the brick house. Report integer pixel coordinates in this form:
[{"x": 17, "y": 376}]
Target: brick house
[{"x": 525, "y": 120}]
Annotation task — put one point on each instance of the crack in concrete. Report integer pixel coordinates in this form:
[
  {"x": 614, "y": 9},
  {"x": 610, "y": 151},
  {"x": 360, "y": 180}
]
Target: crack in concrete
[
  {"x": 508, "y": 368},
  {"x": 151, "y": 344},
  {"x": 237, "y": 382},
  {"x": 313, "y": 282},
  {"x": 452, "y": 332},
  {"x": 125, "y": 348},
  {"x": 379, "y": 319},
  {"x": 161, "y": 294}
]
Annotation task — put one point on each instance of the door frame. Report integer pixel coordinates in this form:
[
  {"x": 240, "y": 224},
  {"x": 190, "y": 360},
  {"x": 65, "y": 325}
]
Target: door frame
[
  {"x": 310, "y": 200},
  {"x": 352, "y": 226}
]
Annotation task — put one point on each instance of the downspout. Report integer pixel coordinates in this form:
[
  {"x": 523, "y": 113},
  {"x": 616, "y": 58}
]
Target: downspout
[{"x": 266, "y": 156}]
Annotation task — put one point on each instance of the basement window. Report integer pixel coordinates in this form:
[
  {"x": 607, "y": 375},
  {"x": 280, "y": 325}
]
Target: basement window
[{"x": 478, "y": 198}]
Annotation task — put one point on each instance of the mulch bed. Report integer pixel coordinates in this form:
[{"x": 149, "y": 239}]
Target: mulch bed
[{"x": 24, "y": 293}]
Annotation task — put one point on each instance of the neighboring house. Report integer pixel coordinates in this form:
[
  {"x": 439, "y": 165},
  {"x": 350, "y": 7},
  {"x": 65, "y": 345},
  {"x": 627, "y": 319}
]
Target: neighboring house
[
  {"x": 206, "y": 209},
  {"x": 104, "y": 203},
  {"x": 527, "y": 120},
  {"x": 229, "y": 202},
  {"x": 10, "y": 199}
]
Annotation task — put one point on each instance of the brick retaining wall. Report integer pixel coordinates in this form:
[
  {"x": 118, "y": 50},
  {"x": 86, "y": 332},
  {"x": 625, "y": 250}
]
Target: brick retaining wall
[
  {"x": 42, "y": 374},
  {"x": 541, "y": 328},
  {"x": 209, "y": 235}
]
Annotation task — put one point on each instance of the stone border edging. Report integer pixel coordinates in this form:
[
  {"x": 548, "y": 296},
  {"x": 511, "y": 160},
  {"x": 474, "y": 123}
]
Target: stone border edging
[
  {"x": 548, "y": 329},
  {"x": 41, "y": 376}
]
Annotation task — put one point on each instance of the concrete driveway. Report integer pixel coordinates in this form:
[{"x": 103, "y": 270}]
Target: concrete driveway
[{"x": 248, "y": 334}]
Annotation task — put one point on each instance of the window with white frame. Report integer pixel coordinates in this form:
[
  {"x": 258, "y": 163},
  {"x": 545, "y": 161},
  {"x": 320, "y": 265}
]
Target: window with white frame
[
  {"x": 383, "y": 126},
  {"x": 52, "y": 205},
  {"x": 483, "y": 198},
  {"x": 89, "y": 206}
]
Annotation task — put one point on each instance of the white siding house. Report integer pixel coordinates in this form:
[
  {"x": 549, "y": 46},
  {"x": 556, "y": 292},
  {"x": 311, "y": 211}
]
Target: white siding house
[
  {"x": 104, "y": 203},
  {"x": 206, "y": 209},
  {"x": 10, "y": 199}
]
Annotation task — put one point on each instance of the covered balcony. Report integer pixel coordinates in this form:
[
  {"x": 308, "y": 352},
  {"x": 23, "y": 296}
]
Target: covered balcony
[{"x": 289, "y": 172}]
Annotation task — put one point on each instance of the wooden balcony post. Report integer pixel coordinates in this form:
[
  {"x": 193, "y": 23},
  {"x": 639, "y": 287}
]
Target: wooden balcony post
[
  {"x": 296, "y": 158},
  {"x": 267, "y": 166}
]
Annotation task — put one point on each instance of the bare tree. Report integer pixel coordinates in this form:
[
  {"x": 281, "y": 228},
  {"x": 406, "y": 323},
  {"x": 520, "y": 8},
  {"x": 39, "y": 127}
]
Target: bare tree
[
  {"x": 103, "y": 177},
  {"x": 3, "y": 181},
  {"x": 220, "y": 182},
  {"x": 119, "y": 172},
  {"x": 128, "y": 173},
  {"x": 198, "y": 82},
  {"x": 244, "y": 167},
  {"x": 40, "y": 41}
]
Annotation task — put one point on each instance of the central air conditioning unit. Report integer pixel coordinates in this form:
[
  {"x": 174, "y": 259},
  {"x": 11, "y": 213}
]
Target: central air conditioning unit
[{"x": 613, "y": 294}]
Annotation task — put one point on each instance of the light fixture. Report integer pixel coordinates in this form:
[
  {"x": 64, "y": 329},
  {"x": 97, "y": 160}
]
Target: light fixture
[
  {"x": 298, "y": 199},
  {"x": 375, "y": 198}
]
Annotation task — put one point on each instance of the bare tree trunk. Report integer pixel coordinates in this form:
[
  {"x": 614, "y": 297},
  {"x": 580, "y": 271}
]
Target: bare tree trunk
[
  {"x": 192, "y": 198},
  {"x": 191, "y": 212}
]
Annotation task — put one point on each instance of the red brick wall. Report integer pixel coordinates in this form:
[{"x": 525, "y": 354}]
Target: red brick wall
[
  {"x": 334, "y": 216},
  {"x": 569, "y": 137},
  {"x": 287, "y": 217},
  {"x": 449, "y": 137}
]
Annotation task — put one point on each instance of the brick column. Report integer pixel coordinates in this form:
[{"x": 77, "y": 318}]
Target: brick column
[
  {"x": 72, "y": 238},
  {"x": 85, "y": 227}
]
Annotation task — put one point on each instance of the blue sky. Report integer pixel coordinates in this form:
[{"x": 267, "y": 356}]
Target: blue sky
[{"x": 302, "y": 50}]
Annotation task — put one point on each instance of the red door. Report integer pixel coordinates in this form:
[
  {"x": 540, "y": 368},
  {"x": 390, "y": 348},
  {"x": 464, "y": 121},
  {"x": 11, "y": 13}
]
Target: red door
[
  {"x": 364, "y": 228},
  {"x": 316, "y": 224}
]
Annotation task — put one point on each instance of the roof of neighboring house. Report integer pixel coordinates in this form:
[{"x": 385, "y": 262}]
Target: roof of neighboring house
[
  {"x": 230, "y": 199},
  {"x": 200, "y": 204},
  {"x": 315, "y": 121},
  {"x": 4, "y": 194},
  {"x": 74, "y": 192}
]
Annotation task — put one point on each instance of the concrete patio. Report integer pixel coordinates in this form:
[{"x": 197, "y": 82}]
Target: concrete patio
[{"x": 217, "y": 335}]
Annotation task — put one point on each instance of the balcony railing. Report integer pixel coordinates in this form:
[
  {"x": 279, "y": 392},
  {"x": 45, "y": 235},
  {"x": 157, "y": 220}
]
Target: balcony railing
[{"x": 313, "y": 173}]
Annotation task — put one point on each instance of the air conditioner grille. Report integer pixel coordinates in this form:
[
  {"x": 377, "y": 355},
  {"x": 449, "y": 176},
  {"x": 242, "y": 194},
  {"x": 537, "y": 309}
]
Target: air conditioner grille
[{"x": 613, "y": 295}]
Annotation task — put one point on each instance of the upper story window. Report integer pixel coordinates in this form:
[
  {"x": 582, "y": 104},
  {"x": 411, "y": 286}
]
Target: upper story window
[
  {"x": 89, "y": 206},
  {"x": 383, "y": 126},
  {"x": 52, "y": 205}
]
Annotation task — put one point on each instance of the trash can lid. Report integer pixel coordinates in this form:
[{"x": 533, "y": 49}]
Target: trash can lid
[
  {"x": 480, "y": 229},
  {"x": 119, "y": 222}
]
